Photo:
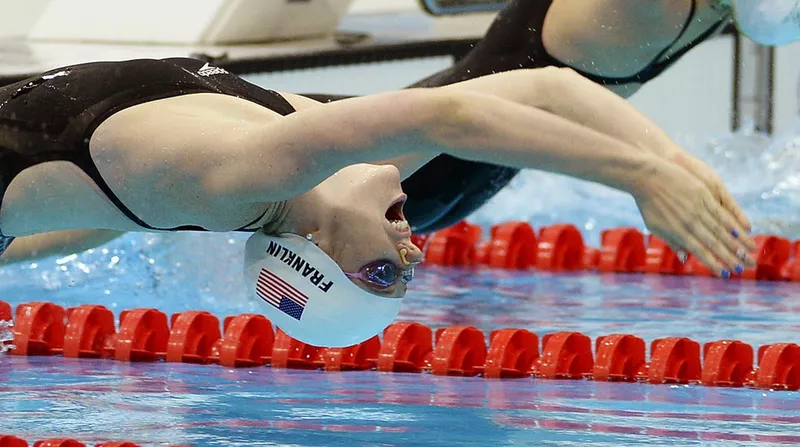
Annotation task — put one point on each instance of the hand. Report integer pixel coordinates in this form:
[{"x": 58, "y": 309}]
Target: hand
[
  {"x": 680, "y": 208},
  {"x": 714, "y": 183}
]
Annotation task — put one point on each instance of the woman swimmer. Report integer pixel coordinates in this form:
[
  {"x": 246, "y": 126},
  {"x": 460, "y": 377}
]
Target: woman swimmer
[
  {"x": 620, "y": 44},
  {"x": 616, "y": 43},
  {"x": 176, "y": 144}
]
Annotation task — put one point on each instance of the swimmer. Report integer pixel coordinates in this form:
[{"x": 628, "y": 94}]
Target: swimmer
[
  {"x": 620, "y": 44},
  {"x": 180, "y": 145}
]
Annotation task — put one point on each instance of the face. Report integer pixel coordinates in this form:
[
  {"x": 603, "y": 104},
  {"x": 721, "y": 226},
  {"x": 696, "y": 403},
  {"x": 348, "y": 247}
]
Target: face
[{"x": 363, "y": 226}]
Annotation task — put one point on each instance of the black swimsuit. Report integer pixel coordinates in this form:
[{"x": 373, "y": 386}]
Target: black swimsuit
[
  {"x": 449, "y": 189},
  {"x": 53, "y": 116}
]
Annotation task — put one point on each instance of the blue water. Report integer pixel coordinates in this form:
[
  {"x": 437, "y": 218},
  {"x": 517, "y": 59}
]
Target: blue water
[{"x": 169, "y": 404}]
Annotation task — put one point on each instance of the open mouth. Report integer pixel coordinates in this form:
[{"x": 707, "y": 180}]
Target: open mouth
[{"x": 394, "y": 214}]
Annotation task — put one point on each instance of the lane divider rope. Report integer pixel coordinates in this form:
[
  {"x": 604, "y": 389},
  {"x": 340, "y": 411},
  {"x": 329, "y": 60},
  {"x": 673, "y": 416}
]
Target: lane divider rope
[
  {"x": 248, "y": 340},
  {"x": 560, "y": 248}
]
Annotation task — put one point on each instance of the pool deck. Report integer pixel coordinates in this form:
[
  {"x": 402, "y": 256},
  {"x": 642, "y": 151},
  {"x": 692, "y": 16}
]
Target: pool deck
[{"x": 362, "y": 37}]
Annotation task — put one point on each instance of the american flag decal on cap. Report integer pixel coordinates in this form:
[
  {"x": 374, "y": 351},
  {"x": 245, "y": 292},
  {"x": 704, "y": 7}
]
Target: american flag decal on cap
[{"x": 280, "y": 294}]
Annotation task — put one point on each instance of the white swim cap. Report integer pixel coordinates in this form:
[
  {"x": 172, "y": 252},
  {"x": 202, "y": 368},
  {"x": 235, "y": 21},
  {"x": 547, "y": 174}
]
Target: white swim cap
[
  {"x": 768, "y": 22},
  {"x": 306, "y": 294}
]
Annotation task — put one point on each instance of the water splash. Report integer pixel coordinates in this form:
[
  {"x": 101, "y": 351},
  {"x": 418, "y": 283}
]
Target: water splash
[{"x": 6, "y": 336}]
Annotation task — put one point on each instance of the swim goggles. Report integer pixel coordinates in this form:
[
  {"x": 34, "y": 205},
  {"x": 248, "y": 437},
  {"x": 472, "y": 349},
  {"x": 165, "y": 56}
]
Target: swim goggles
[{"x": 383, "y": 274}]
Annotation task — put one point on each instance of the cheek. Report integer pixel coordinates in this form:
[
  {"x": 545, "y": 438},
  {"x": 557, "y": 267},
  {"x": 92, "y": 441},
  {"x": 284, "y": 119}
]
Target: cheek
[
  {"x": 367, "y": 247},
  {"x": 362, "y": 214}
]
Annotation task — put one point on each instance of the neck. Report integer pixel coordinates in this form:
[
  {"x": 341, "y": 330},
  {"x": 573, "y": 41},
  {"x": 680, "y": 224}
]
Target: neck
[{"x": 298, "y": 215}]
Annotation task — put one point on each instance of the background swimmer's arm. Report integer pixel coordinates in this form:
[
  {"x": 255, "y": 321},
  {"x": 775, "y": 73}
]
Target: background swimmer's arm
[{"x": 56, "y": 243}]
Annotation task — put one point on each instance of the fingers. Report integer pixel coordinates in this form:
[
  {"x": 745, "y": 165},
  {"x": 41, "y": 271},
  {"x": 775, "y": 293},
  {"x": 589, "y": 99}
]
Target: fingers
[
  {"x": 740, "y": 225},
  {"x": 699, "y": 215},
  {"x": 706, "y": 256},
  {"x": 718, "y": 223},
  {"x": 733, "y": 219},
  {"x": 744, "y": 226},
  {"x": 717, "y": 186},
  {"x": 679, "y": 251},
  {"x": 709, "y": 239},
  {"x": 726, "y": 261},
  {"x": 690, "y": 241}
]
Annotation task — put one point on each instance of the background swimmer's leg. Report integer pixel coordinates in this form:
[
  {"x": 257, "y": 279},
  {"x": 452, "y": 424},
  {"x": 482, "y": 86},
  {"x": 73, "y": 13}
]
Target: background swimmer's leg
[{"x": 61, "y": 243}]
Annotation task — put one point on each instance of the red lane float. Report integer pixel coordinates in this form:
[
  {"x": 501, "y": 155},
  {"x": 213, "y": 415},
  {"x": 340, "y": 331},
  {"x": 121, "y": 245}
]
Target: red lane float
[
  {"x": 406, "y": 348},
  {"x": 13, "y": 441},
  {"x": 622, "y": 251},
  {"x": 248, "y": 340},
  {"x": 659, "y": 258},
  {"x": 454, "y": 246},
  {"x": 5, "y": 311},
  {"x": 727, "y": 363},
  {"x": 560, "y": 248},
  {"x": 512, "y": 354},
  {"x": 143, "y": 336},
  {"x": 515, "y": 245}
]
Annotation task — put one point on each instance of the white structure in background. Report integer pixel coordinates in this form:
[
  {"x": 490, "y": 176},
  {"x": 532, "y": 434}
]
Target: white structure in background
[
  {"x": 753, "y": 97},
  {"x": 18, "y": 17},
  {"x": 717, "y": 87},
  {"x": 188, "y": 22}
]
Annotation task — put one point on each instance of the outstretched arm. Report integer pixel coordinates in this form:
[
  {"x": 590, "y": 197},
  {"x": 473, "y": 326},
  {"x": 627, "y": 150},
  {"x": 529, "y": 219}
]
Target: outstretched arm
[
  {"x": 313, "y": 143},
  {"x": 482, "y": 127},
  {"x": 56, "y": 243}
]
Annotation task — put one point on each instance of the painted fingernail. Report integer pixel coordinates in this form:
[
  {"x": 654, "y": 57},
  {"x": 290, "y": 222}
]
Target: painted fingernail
[
  {"x": 682, "y": 256},
  {"x": 739, "y": 269},
  {"x": 735, "y": 234},
  {"x": 741, "y": 254},
  {"x": 726, "y": 273}
]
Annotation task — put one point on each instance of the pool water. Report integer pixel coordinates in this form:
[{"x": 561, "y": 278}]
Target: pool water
[{"x": 169, "y": 404}]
